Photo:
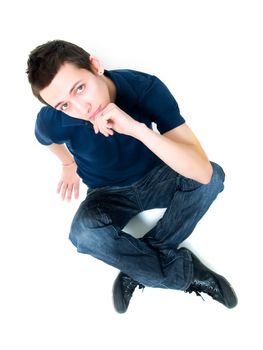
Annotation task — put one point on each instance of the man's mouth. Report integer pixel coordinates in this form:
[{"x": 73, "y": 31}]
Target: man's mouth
[{"x": 93, "y": 116}]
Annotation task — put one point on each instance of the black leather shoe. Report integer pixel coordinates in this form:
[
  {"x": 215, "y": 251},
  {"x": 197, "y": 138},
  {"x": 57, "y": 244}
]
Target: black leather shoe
[
  {"x": 123, "y": 289},
  {"x": 209, "y": 282}
]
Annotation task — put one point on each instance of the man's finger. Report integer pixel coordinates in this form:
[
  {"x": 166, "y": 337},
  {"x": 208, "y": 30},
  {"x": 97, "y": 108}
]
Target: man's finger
[
  {"x": 76, "y": 190},
  {"x": 64, "y": 190},
  {"x": 69, "y": 193},
  {"x": 59, "y": 186},
  {"x": 95, "y": 127}
]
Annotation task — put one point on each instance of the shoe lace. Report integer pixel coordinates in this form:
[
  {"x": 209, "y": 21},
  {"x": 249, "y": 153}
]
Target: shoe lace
[
  {"x": 198, "y": 288},
  {"x": 130, "y": 285}
]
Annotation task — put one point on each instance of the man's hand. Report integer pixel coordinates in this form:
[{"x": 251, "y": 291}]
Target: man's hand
[
  {"x": 69, "y": 182},
  {"x": 111, "y": 119}
]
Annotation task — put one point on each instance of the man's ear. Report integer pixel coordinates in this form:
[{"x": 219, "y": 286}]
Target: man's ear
[{"x": 96, "y": 67}]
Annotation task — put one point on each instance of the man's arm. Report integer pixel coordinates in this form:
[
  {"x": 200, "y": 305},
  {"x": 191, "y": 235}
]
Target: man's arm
[
  {"x": 180, "y": 149},
  {"x": 69, "y": 181},
  {"x": 61, "y": 152}
]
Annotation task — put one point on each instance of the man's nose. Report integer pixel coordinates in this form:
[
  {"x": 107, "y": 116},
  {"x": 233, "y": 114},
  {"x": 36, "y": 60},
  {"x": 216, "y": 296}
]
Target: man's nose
[{"x": 82, "y": 107}]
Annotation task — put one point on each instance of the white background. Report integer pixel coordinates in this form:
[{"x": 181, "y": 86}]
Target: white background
[{"x": 209, "y": 54}]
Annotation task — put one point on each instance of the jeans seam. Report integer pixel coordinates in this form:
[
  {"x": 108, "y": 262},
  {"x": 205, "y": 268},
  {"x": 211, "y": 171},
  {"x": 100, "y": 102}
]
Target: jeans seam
[
  {"x": 127, "y": 239},
  {"x": 139, "y": 203}
]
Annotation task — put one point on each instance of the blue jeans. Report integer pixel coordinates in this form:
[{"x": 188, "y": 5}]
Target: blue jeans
[{"x": 153, "y": 260}]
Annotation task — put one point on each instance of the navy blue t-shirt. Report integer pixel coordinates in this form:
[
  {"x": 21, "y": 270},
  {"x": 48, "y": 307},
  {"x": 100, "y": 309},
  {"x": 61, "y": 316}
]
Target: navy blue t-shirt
[{"x": 116, "y": 160}]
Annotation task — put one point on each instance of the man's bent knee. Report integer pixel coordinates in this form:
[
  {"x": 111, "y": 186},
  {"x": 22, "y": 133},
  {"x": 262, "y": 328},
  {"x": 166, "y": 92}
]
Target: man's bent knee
[
  {"x": 218, "y": 178},
  {"x": 84, "y": 222}
]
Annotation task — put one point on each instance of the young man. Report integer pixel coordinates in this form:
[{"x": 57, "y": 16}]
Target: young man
[{"x": 99, "y": 124}]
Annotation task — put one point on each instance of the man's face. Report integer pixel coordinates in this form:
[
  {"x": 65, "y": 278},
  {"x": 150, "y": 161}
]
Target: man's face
[{"x": 78, "y": 92}]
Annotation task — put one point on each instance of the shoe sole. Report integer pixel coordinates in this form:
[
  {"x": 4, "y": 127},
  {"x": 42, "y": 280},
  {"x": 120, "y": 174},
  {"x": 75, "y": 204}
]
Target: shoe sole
[
  {"x": 118, "y": 301},
  {"x": 228, "y": 292}
]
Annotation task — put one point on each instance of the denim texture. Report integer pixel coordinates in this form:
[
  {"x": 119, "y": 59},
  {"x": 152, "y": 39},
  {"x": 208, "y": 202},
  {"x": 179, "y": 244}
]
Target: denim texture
[{"x": 153, "y": 260}]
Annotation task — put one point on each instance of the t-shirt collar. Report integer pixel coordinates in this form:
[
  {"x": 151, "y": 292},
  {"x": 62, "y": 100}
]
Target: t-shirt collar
[{"x": 125, "y": 95}]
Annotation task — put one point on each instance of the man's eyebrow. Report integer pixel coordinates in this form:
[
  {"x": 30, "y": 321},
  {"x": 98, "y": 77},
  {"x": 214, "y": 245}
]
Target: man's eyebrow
[{"x": 70, "y": 91}]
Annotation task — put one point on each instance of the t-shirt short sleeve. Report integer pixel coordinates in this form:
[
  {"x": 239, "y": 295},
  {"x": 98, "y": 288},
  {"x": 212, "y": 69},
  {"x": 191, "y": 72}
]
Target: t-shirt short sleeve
[
  {"x": 41, "y": 129},
  {"x": 161, "y": 107}
]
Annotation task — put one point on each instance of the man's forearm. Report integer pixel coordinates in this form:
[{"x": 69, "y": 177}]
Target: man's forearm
[
  {"x": 185, "y": 159},
  {"x": 61, "y": 152}
]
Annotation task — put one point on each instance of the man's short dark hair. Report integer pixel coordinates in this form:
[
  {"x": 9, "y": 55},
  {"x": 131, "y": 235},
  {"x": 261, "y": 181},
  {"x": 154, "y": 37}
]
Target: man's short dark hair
[{"x": 45, "y": 61}]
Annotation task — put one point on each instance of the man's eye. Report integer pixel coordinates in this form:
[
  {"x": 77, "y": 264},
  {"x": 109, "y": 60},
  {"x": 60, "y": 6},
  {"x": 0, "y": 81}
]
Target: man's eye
[
  {"x": 64, "y": 106},
  {"x": 80, "y": 88}
]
